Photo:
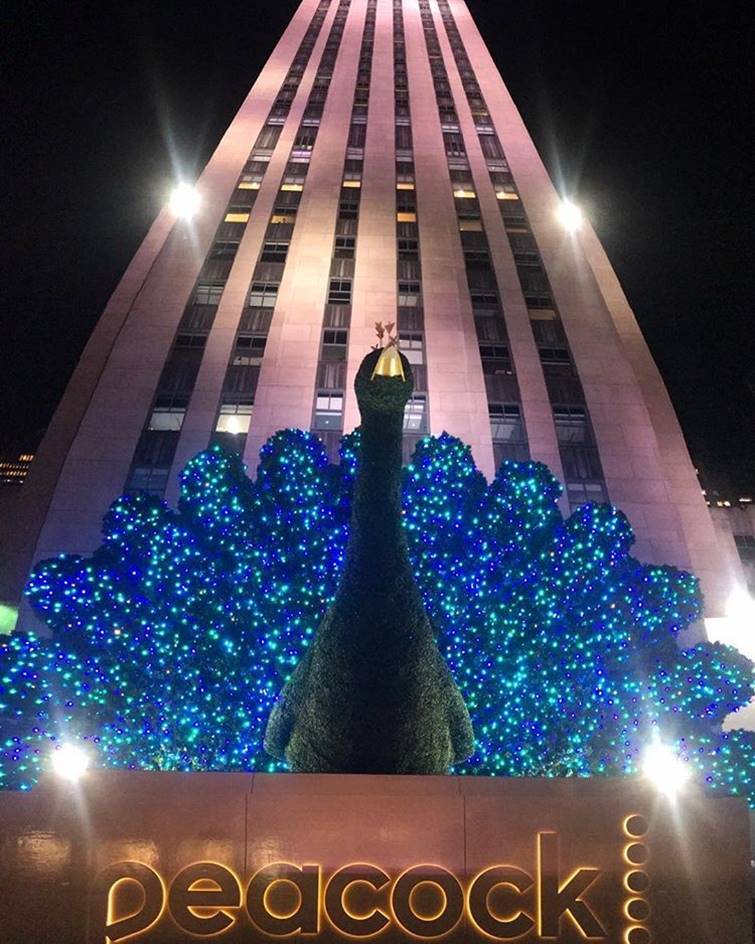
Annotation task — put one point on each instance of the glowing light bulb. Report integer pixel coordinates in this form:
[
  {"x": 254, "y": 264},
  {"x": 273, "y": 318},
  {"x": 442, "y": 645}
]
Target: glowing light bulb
[
  {"x": 70, "y": 762},
  {"x": 667, "y": 771},
  {"x": 570, "y": 216},
  {"x": 184, "y": 201}
]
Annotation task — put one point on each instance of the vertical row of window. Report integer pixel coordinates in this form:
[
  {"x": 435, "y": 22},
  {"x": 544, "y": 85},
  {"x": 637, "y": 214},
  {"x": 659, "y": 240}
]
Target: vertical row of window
[
  {"x": 157, "y": 444},
  {"x": 327, "y": 416},
  {"x": 579, "y": 454},
  {"x": 410, "y": 320},
  {"x": 242, "y": 374},
  {"x": 504, "y": 401}
]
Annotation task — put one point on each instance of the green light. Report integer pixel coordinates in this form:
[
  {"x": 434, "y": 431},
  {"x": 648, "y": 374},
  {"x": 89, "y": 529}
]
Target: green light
[{"x": 8, "y": 618}]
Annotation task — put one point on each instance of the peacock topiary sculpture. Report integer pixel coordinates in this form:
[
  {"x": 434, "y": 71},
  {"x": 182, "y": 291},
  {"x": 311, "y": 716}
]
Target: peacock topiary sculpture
[{"x": 373, "y": 693}]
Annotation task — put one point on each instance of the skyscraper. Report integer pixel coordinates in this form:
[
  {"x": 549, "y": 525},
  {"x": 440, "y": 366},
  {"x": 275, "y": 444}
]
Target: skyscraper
[{"x": 377, "y": 171}]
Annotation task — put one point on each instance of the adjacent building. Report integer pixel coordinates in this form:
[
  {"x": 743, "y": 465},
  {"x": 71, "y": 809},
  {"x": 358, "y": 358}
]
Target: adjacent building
[{"x": 377, "y": 171}]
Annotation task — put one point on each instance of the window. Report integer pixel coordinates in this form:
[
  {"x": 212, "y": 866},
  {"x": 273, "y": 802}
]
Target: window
[
  {"x": 234, "y": 418},
  {"x": 305, "y": 139},
  {"x": 191, "y": 340},
  {"x": 533, "y": 279},
  {"x": 357, "y": 135},
  {"x": 454, "y": 144},
  {"x": 506, "y": 423},
  {"x": 571, "y": 424},
  {"x": 408, "y": 250},
  {"x": 352, "y": 170},
  {"x": 494, "y": 351},
  {"x": 249, "y": 350},
  {"x": 167, "y": 417},
  {"x": 476, "y": 258},
  {"x": 283, "y": 215},
  {"x": 328, "y": 410},
  {"x": 236, "y": 215},
  {"x": 348, "y": 205},
  {"x": 580, "y": 492},
  {"x": 274, "y": 252},
  {"x": 223, "y": 249},
  {"x": 404, "y": 172},
  {"x": 339, "y": 292},
  {"x": 554, "y": 355},
  {"x": 263, "y": 294},
  {"x": 344, "y": 248},
  {"x": 403, "y": 138},
  {"x": 412, "y": 347},
  {"x": 482, "y": 299},
  {"x": 490, "y": 146},
  {"x": 408, "y": 294},
  {"x": 207, "y": 293},
  {"x": 268, "y": 137},
  {"x": 334, "y": 337},
  {"x": 415, "y": 414},
  {"x": 406, "y": 200},
  {"x": 405, "y": 216}
]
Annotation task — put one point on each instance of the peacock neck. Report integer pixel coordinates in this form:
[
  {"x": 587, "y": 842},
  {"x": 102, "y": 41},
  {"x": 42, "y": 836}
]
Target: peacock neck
[{"x": 377, "y": 545}]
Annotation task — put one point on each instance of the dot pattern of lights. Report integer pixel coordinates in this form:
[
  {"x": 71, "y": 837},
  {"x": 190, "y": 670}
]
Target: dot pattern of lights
[{"x": 172, "y": 640}]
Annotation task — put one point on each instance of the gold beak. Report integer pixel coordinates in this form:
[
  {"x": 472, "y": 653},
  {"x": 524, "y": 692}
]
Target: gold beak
[{"x": 389, "y": 364}]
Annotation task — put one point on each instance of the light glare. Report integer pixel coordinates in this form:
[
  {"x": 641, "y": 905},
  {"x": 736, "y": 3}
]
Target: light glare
[
  {"x": 570, "y": 216},
  {"x": 70, "y": 762},
  {"x": 665, "y": 769},
  {"x": 184, "y": 201}
]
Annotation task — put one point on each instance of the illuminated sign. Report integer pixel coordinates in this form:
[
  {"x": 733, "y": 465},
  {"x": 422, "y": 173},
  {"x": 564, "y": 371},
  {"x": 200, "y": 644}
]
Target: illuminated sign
[{"x": 130, "y": 900}]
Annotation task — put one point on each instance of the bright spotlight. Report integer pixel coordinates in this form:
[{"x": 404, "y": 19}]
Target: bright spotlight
[
  {"x": 70, "y": 762},
  {"x": 184, "y": 201},
  {"x": 667, "y": 771},
  {"x": 570, "y": 216}
]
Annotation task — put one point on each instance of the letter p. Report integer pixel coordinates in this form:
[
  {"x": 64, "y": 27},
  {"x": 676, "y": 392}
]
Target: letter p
[{"x": 126, "y": 899}]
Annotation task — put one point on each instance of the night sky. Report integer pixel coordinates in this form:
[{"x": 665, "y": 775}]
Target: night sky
[{"x": 641, "y": 111}]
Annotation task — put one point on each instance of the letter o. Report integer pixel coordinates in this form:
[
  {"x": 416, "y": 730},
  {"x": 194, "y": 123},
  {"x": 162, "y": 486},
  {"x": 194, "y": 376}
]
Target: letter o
[{"x": 437, "y": 925}]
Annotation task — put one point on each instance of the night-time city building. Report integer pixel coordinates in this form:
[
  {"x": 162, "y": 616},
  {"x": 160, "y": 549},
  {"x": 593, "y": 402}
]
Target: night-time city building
[{"x": 377, "y": 171}]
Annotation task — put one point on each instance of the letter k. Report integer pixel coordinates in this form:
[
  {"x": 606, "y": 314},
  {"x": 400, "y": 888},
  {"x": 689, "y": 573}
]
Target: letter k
[{"x": 556, "y": 900}]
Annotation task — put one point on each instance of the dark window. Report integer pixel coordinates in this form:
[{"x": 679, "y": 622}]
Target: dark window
[
  {"x": 344, "y": 248},
  {"x": 268, "y": 137},
  {"x": 339, "y": 292},
  {"x": 263, "y": 294},
  {"x": 274, "y": 252},
  {"x": 408, "y": 250}
]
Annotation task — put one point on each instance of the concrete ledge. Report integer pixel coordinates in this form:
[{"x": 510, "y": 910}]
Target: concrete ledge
[{"x": 462, "y": 859}]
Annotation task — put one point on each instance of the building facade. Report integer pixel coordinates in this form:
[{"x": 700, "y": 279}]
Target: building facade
[{"x": 377, "y": 171}]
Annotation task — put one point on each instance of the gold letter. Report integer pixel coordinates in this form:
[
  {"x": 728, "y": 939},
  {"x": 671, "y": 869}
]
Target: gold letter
[
  {"x": 104, "y": 923},
  {"x": 304, "y": 917},
  {"x": 505, "y": 928},
  {"x": 183, "y": 898},
  {"x": 335, "y": 907}
]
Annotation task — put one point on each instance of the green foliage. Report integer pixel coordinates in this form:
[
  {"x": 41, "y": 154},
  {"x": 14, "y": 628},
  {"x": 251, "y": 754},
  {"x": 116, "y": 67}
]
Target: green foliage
[{"x": 173, "y": 640}]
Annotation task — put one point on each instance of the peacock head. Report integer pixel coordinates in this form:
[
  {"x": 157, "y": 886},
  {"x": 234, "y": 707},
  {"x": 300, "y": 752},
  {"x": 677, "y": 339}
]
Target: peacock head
[{"x": 384, "y": 382}]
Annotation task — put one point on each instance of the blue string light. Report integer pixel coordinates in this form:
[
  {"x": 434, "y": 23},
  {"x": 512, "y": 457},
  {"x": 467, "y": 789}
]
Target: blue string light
[{"x": 171, "y": 642}]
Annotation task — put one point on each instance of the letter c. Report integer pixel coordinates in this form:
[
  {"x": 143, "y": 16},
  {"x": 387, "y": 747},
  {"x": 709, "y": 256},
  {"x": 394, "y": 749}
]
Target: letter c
[
  {"x": 104, "y": 925},
  {"x": 479, "y": 908},
  {"x": 335, "y": 908}
]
